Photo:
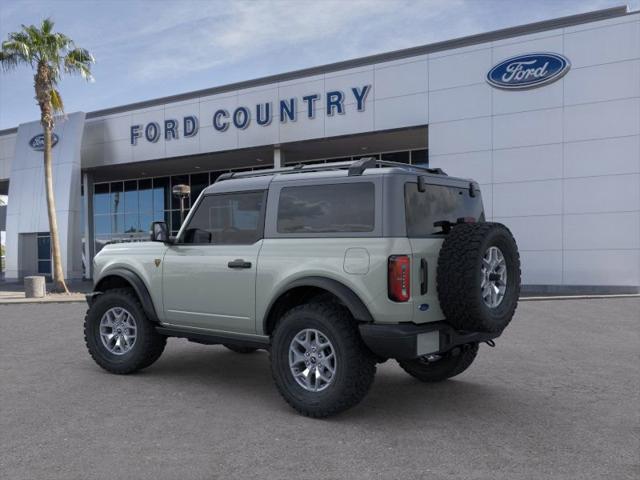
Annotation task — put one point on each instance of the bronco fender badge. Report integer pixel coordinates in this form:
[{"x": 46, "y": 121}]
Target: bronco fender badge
[{"x": 157, "y": 262}]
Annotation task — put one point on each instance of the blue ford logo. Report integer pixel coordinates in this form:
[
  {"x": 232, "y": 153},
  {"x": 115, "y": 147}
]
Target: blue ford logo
[
  {"x": 37, "y": 142},
  {"x": 528, "y": 71}
]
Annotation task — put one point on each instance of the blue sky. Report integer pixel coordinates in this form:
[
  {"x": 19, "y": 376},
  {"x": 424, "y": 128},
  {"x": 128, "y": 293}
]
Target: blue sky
[{"x": 149, "y": 49}]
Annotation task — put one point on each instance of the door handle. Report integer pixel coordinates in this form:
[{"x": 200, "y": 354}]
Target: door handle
[{"x": 239, "y": 263}]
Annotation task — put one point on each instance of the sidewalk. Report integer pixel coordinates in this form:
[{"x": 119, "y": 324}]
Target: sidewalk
[{"x": 14, "y": 293}]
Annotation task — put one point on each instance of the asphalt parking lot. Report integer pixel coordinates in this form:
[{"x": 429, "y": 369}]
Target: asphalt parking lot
[{"x": 558, "y": 398}]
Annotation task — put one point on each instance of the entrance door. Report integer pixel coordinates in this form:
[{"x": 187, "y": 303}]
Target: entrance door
[
  {"x": 209, "y": 274},
  {"x": 44, "y": 253}
]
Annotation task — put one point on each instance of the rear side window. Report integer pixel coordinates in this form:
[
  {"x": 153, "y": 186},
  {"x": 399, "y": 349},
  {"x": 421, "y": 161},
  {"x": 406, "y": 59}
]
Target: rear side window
[
  {"x": 436, "y": 204},
  {"x": 343, "y": 207}
]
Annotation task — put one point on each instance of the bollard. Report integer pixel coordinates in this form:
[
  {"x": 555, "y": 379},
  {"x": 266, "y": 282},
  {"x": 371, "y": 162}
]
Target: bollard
[{"x": 34, "y": 287}]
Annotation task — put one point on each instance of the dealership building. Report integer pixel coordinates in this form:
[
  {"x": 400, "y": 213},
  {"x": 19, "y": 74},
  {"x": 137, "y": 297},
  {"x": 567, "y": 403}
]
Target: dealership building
[{"x": 544, "y": 116}]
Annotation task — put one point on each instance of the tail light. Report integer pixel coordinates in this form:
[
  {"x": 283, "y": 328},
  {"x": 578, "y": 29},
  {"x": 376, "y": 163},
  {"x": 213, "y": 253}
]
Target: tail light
[{"x": 399, "y": 278}]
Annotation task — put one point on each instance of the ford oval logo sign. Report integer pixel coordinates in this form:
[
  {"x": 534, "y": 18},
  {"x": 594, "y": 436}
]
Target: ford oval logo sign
[
  {"x": 37, "y": 142},
  {"x": 528, "y": 71}
]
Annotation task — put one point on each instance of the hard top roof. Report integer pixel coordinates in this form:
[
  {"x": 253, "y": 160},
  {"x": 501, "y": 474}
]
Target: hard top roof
[{"x": 260, "y": 179}]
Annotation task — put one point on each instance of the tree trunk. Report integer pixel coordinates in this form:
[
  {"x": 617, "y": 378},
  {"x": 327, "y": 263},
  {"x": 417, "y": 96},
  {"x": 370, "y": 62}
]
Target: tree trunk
[{"x": 59, "y": 284}]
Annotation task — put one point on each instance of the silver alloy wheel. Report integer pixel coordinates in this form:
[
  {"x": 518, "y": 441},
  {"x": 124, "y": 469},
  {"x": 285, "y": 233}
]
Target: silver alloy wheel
[
  {"x": 312, "y": 360},
  {"x": 118, "y": 330},
  {"x": 494, "y": 277}
]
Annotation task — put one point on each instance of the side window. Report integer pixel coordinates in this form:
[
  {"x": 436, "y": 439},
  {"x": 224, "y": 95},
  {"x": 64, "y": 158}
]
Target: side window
[
  {"x": 227, "y": 219},
  {"x": 343, "y": 207}
]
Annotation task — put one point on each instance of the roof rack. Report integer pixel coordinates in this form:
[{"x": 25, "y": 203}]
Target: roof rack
[{"x": 355, "y": 168}]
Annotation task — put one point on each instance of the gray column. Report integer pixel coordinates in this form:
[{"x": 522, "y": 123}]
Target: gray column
[
  {"x": 87, "y": 184},
  {"x": 278, "y": 157}
]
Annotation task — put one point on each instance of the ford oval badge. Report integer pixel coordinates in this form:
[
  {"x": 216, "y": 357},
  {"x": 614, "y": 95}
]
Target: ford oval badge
[
  {"x": 528, "y": 71},
  {"x": 37, "y": 142}
]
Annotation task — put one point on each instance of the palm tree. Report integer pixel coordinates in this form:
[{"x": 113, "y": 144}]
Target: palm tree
[{"x": 50, "y": 55}]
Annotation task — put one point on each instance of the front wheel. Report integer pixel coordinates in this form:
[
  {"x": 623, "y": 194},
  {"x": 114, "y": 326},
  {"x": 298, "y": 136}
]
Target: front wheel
[
  {"x": 451, "y": 364},
  {"x": 119, "y": 336},
  {"x": 318, "y": 360}
]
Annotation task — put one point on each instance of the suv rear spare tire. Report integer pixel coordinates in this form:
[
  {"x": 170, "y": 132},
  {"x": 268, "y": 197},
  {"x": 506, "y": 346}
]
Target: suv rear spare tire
[{"x": 479, "y": 277}]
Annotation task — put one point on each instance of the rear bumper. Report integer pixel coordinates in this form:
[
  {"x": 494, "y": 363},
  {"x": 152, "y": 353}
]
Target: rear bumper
[{"x": 408, "y": 340}]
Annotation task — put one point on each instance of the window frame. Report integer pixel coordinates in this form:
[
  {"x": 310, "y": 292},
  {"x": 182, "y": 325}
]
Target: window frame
[
  {"x": 273, "y": 202},
  {"x": 194, "y": 209}
]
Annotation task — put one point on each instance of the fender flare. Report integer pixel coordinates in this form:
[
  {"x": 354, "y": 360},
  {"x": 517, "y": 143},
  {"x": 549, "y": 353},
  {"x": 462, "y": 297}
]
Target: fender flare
[
  {"x": 138, "y": 286},
  {"x": 347, "y": 296}
]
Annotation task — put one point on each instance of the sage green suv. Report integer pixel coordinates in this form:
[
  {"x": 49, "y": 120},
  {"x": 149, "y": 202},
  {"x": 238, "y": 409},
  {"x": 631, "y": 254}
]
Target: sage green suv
[{"x": 332, "y": 268}]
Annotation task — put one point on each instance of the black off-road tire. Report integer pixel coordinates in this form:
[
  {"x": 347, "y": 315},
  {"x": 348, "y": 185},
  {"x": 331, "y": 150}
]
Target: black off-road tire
[
  {"x": 459, "y": 277},
  {"x": 148, "y": 346},
  {"x": 355, "y": 365},
  {"x": 453, "y": 363},
  {"x": 239, "y": 349}
]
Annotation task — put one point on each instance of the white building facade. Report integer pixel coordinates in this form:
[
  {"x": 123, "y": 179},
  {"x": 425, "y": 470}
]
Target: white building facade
[{"x": 555, "y": 150}]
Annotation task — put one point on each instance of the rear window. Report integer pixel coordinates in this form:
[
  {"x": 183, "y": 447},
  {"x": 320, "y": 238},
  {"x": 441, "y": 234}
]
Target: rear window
[
  {"x": 344, "y": 207},
  {"x": 435, "y": 204}
]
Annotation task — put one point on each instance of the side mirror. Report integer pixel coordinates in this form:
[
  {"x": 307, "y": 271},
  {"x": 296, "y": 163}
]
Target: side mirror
[{"x": 159, "y": 232}]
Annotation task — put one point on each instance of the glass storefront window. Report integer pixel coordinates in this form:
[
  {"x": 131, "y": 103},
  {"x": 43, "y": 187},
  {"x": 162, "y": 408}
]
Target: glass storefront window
[
  {"x": 117, "y": 223},
  {"x": 420, "y": 157},
  {"x": 146, "y": 219},
  {"x": 117, "y": 198},
  {"x": 401, "y": 157},
  {"x": 145, "y": 195},
  {"x": 101, "y": 198},
  {"x": 102, "y": 224},
  {"x": 131, "y": 203},
  {"x": 199, "y": 182},
  {"x": 131, "y": 223},
  {"x": 161, "y": 194}
]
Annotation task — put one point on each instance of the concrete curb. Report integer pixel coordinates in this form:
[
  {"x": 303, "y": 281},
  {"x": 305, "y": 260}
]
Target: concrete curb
[
  {"x": 73, "y": 298},
  {"x": 578, "y": 297}
]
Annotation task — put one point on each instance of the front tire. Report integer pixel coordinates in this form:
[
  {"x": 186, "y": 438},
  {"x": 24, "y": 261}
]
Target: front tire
[
  {"x": 318, "y": 360},
  {"x": 119, "y": 336},
  {"x": 451, "y": 364}
]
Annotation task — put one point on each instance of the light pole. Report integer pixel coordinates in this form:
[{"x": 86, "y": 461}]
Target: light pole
[{"x": 182, "y": 192}]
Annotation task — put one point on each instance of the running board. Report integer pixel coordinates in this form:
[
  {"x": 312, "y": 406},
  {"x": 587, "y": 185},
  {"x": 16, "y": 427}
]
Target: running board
[{"x": 207, "y": 338}]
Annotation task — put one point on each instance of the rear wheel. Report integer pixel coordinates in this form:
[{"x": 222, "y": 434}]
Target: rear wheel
[
  {"x": 119, "y": 336},
  {"x": 318, "y": 360},
  {"x": 428, "y": 369},
  {"x": 238, "y": 349}
]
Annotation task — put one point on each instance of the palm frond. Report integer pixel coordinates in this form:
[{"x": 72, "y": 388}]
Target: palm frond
[
  {"x": 56, "y": 101},
  {"x": 19, "y": 47},
  {"x": 9, "y": 61},
  {"x": 79, "y": 61},
  {"x": 47, "y": 26}
]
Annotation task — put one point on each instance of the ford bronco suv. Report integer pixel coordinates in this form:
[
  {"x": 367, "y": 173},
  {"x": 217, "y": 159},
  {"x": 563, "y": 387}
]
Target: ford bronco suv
[{"x": 332, "y": 268}]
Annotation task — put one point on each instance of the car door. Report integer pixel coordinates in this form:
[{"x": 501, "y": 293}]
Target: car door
[{"x": 209, "y": 273}]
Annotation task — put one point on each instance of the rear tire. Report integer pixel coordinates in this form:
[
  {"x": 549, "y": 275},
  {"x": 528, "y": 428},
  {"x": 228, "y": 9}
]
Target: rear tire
[
  {"x": 345, "y": 367},
  {"x": 238, "y": 349},
  {"x": 452, "y": 364},
  {"x": 118, "y": 313}
]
